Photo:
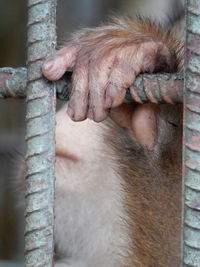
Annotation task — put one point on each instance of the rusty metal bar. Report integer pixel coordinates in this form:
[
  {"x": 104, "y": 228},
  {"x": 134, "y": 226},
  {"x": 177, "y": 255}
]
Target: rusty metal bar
[
  {"x": 156, "y": 88},
  {"x": 40, "y": 118},
  {"x": 191, "y": 144}
]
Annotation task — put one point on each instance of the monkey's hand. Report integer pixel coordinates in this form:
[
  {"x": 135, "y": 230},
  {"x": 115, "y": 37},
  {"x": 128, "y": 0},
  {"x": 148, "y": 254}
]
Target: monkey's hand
[{"x": 105, "y": 61}]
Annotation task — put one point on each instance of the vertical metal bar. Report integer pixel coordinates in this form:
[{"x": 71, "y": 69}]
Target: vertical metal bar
[
  {"x": 40, "y": 120},
  {"x": 191, "y": 144}
]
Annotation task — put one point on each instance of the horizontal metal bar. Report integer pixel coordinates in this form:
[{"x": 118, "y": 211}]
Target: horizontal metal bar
[
  {"x": 154, "y": 88},
  {"x": 13, "y": 82}
]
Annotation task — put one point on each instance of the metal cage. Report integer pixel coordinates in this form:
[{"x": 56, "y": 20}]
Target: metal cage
[{"x": 40, "y": 119}]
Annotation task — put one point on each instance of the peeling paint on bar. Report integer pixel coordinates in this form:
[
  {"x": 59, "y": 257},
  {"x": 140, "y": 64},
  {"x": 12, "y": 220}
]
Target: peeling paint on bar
[
  {"x": 155, "y": 88},
  {"x": 40, "y": 119},
  {"x": 191, "y": 144}
]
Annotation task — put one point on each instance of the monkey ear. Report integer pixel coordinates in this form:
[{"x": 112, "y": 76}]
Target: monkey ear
[{"x": 140, "y": 121}]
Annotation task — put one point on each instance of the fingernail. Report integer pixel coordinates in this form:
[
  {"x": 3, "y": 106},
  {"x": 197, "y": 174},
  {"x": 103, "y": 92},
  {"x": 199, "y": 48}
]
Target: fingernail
[
  {"x": 108, "y": 102},
  {"x": 90, "y": 115},
  {"x": 70, "y": 112}
]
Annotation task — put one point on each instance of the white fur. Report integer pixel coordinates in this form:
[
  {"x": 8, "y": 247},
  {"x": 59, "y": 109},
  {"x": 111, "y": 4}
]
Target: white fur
[{"x": 90, "y": 227}]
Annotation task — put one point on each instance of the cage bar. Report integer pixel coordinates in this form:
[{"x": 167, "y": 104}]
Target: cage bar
[
  {"x": 191, "y": 143},
  {"x": 40, "y": 119},
  {"x": 156, "y": 88}
]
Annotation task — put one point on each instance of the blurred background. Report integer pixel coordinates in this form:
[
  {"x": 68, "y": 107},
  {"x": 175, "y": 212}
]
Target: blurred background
[{"x": 71, "y": 15}]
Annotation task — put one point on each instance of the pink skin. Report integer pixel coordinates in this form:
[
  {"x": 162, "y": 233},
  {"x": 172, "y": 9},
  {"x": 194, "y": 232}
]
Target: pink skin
[
  {"x": 140, "y": 122},
  {"x": 55, "y": 67},
  {"x": 100, "y": 76}
]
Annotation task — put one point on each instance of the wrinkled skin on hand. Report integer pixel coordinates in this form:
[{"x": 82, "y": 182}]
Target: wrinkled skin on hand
[{"x": 105, "y": 62}]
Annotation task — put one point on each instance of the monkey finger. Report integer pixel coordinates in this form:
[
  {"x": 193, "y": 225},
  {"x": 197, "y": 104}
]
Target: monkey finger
[
  {"x": 98, "y": 77},
  {"x": 78, "y": 103},
  {"x": 114, "y": 95},
  {"x": 96, "y": 111},
  {"x": 54, "y": 67},
  {"x": 120, "y": 79}
]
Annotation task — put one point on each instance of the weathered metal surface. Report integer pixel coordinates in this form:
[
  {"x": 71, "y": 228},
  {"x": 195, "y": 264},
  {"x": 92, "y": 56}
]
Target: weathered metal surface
[
  {"x": 40, "y": 118},
  {"x": 191, "y": 145},
  {"x": 155, "y": 88},
  {"x": 13, "y": 82},
  {"x": 158, "y": 88}
]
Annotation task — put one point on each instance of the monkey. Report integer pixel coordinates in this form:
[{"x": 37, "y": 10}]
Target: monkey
[{"x": 118, "y": 164}]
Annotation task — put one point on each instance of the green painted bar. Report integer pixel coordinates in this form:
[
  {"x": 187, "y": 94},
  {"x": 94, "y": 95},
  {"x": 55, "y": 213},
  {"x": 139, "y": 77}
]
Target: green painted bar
[
  {"x": 191, "y": 143},
  {"x": 40, "y": 119}
]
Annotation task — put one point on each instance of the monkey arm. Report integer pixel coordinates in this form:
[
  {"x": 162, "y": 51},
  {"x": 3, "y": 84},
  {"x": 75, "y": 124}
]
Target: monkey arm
[{"x": 105, "y": 61}]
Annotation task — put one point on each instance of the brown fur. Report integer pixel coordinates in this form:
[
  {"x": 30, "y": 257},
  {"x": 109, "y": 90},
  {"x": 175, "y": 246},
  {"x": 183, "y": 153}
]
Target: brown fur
[
  {"x": 152, "y": 178},
  {"x": 152, "y": 181},
  {"x": 125, "y": 32}
]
